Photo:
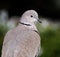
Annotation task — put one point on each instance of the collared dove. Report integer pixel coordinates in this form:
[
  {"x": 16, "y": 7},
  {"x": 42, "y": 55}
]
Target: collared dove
[{"x": 24, "y": 40}]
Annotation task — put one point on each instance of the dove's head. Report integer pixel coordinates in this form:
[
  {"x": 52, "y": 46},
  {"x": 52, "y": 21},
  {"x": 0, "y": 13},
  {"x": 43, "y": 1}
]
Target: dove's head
[{"x": 29, "y": 17}]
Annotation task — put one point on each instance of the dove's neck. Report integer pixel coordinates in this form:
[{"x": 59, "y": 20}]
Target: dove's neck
[{"x": 29, "y": 25}]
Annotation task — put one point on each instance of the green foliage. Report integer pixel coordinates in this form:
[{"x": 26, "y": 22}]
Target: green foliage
[
  {"x": 50, "y": 42},
  {"x": 3, "y": 30}
]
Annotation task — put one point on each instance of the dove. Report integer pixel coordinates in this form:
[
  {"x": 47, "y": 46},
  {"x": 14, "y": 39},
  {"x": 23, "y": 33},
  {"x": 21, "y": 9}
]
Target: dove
[{"x": 23, "y": 40}]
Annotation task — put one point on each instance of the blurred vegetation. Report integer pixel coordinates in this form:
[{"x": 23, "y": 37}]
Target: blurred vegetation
[
  {"x": 3, "y": 30},
  {"x": 50, "y": 39},
  {"x": 51, "y": 43}
]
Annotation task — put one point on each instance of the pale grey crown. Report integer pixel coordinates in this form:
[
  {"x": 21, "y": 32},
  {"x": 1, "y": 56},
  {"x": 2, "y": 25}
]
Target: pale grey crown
[{"x": 31, "y": 13}]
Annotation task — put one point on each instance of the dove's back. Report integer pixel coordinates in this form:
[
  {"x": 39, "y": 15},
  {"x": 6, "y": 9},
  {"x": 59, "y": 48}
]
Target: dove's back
[{"x": 20, "y": 42}]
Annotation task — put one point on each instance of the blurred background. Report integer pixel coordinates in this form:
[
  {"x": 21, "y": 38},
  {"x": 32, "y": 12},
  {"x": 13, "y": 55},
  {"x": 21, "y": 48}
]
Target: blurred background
[{"x": 49, "y": 29}]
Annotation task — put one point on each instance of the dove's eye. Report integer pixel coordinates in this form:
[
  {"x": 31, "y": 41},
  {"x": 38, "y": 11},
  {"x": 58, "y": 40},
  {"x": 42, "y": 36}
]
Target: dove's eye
[{"x": 31, "y": 15}]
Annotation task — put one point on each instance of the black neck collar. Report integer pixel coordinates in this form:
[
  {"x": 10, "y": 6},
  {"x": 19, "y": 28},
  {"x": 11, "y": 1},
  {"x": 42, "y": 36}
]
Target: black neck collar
[
  {"x": 28, "y": 25},
  {"x": 36, "y": 31},
  {"x": 25, "y": 24}
]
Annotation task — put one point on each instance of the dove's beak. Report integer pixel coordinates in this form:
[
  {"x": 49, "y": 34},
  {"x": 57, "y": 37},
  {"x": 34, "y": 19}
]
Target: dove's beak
[{"x": 39, "y": 21}]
